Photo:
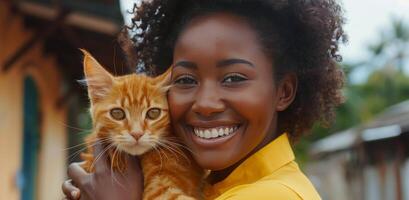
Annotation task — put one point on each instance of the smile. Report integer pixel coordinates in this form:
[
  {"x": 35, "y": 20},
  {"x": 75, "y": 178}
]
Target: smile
[{"x": 209, "y": 133}]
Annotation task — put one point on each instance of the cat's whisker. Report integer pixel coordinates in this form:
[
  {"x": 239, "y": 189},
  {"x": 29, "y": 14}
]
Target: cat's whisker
[
  {"x": 176, "y": 141},
  {"x": 74, "y": 128},
  {"x": 76, "y": 153},
  {"x": 179, "y": 145},
  {"x": 115, "y": 156},
  {"x": 167, "y": 146},
  {"x": 82, "y": 149},
  {"x": 100, "y": 155},
  {"x": 113, "y": 159},
  {"x": 166, "y": 154},
  {"x": 155, "y": 148},
  {"x": 179, "y": 151},
  {"x": 162, "y": 151},
  {"x": 174, "y": 150},
  {"x": 175, "y": 145},
  {"x": 86, "y": 143},
  {"x": 75, "y": 146},
  {"x": 89, "y": 144},
  {"x": 113, "y": 177}
]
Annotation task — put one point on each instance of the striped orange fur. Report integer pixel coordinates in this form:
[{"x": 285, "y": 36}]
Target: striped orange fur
[{"x": 125, "y": 117}]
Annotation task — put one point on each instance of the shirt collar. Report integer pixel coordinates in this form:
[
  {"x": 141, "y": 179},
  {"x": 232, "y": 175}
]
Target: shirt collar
[{"x": 262, "y": 163}]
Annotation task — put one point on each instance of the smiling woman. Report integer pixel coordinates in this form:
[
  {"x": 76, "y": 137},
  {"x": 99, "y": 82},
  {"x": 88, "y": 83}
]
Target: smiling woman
[
  {"x": 217, "y": 89},
  {"x": 248, "y": 77}
]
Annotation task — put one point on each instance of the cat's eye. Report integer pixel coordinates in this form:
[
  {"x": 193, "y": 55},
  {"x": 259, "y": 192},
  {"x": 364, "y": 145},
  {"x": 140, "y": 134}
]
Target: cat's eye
[
  {"x": 117, "y": 114},
  {"x": 153, "y": 113}
]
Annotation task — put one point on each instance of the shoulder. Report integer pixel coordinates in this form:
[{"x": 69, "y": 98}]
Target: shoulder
[
  {"x": 287, "y": 182},
  {"x": 260, "y": 190},
  {"x": 292, "y": 177}
]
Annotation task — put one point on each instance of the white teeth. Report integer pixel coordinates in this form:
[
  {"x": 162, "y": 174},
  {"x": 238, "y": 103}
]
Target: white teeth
[
  {"x": 221, "y": 131},
  {"x": 208, "y": 133},
  {"x": 215, "y": 133}
]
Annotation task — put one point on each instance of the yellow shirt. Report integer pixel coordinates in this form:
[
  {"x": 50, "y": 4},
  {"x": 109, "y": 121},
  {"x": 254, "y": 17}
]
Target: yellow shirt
[{"x": 270, "y": 173}]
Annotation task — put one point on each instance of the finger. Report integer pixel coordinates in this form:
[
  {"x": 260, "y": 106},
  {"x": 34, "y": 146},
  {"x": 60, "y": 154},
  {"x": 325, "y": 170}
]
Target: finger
[
  {"x": 71, "y": 192},
  {"x": 77, "y": 173},
  {"x": 100, "y": 154}
]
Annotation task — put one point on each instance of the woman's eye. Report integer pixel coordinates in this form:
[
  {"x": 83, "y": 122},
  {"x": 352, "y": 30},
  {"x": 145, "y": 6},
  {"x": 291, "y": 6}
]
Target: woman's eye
[
  {"x": 233, "y": 78},
  {"x": 117, "y": 113},
  {"x": 185, "y": 80},
  {"x": 153, "y": 113}
]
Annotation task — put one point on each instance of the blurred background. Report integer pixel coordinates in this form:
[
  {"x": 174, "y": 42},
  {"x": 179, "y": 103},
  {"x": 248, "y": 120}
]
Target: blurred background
[{"x": 43, "y": 110}]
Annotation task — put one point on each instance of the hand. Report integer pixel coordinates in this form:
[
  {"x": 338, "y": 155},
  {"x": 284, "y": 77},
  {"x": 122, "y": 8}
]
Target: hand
[{"x": 104, "y": 184}]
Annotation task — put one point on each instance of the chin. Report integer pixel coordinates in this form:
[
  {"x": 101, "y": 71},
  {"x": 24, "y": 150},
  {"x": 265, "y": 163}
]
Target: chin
[{"x": 213, "y": 163}]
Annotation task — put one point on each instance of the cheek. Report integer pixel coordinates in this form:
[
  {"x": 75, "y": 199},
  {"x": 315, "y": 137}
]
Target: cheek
[
  {"x": 256, "y": 105},
  {"x": 179, "y": 103},
  {"x": 254, "y": 102}
]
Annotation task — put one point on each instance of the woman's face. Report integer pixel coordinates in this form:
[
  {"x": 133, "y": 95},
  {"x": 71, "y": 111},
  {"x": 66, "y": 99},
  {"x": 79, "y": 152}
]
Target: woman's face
[{"x": 224, "y": 100}]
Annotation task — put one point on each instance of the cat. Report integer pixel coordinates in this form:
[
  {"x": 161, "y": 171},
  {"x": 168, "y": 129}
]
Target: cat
[{"x": 130, "y": 115}]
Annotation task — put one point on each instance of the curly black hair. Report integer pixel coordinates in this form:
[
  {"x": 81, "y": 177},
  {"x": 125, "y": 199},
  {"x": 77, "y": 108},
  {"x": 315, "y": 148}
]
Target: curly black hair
[{"x": 302, "y": 37}]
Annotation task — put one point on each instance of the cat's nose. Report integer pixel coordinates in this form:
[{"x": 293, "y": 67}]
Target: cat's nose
[{"x": 136, "y": 135}]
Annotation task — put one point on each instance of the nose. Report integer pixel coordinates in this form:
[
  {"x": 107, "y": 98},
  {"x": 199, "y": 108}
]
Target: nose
[
  {"x": 208, "y": 100},
  {"x": 136, "y": 135}
]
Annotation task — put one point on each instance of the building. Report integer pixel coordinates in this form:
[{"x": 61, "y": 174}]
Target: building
[
  {"x": 40, "y": 100},
  {"x": 368, "y": 162}
]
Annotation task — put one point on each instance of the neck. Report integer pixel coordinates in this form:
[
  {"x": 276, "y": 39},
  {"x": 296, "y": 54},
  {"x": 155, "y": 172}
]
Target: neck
[{"x": 219, "y": 175}]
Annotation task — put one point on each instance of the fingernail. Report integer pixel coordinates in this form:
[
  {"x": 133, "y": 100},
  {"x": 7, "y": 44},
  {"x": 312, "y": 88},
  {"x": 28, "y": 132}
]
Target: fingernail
[{"x": 74, "y": 194}]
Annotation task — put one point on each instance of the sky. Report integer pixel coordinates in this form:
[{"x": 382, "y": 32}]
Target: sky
[{"x": 365, "y": 20}]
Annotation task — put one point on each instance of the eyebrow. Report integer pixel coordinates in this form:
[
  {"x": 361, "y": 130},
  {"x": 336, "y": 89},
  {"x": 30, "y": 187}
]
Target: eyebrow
[
  {"x": 233, "y": 61},
  {"x": 186, "y": 64},
  {"x": 222, "y": 63}
]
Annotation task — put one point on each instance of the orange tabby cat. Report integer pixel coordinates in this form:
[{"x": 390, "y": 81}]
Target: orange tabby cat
[{"x": 130, "y": 115}]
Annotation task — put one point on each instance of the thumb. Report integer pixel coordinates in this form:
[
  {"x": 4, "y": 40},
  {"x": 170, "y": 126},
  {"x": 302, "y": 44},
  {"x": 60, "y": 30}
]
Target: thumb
[{"x": 77, "y": 173}]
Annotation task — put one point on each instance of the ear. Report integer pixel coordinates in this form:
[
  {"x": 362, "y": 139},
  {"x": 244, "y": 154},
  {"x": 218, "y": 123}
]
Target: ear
[
  {"x": 99, "y": 81},
  {"x": 164, "y": 79},
  {"x": 287, "y": 90}
]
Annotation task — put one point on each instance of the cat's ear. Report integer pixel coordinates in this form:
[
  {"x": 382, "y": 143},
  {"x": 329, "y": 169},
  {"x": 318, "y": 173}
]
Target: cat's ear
[
  {"x": 98, "y": 80},
  {"x": 165, "y": 79}
]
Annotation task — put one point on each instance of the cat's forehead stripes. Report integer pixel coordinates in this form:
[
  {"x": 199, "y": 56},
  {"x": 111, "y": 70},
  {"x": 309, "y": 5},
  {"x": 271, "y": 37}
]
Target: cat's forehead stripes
[{"x": 139, "y": 91}]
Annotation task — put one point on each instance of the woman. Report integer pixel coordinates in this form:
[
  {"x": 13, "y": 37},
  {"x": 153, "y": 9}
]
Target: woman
[{"x": 264, "y": 68}]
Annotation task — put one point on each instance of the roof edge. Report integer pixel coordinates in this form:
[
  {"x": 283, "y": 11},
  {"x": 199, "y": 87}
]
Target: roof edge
[{"x": 88, "y": 22}]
